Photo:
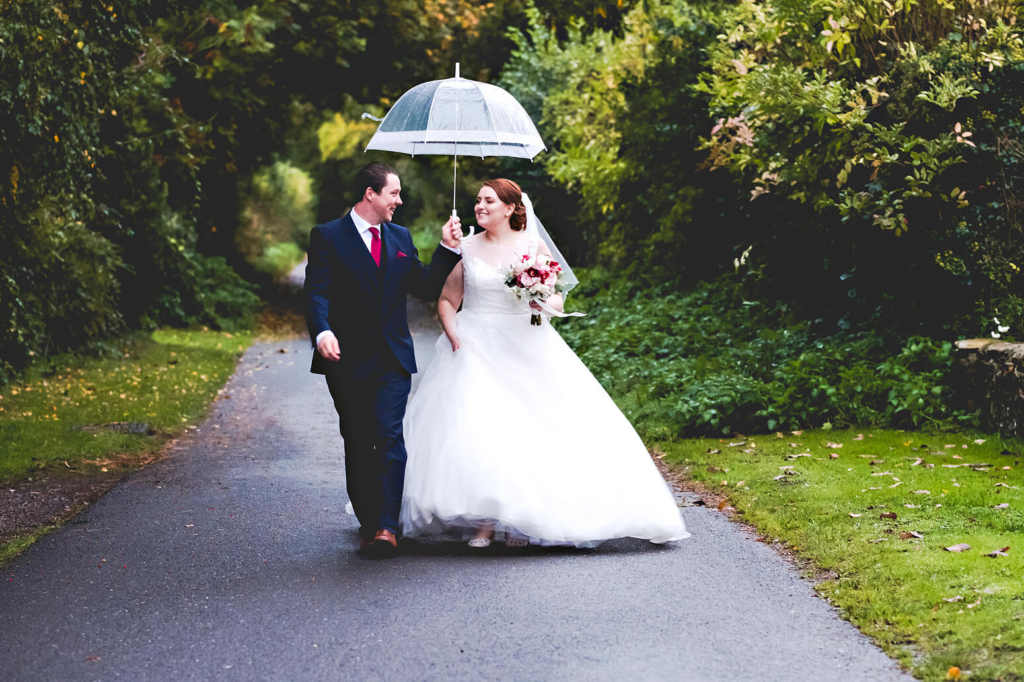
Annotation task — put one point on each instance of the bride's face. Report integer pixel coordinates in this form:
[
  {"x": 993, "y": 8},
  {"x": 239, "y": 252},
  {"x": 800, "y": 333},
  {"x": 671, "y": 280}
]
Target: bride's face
[{"x": 490, "y": 211}]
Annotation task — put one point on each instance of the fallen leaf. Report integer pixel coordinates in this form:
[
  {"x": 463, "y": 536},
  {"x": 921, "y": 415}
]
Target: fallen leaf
[
  {"x": 779, "y": 476},
  {"x": 797, "y": 433},
  {"x": 876, "y": 462},
  {"x": 922, "y": 492},
  {"x": 957, "y": 457},
  {"x": 733, "y": 445},
  {"x": 998, "y": 552},
  {"x": 953, "y": 599},
  {"x": 722, "y": 505},
  {"x": 1003, "y": 485},
  {"x": 856, "y": 516},
  {"x": 896, "y": 484},
  {"x": 877, "y": 540},
  {"x": 887, "y": 515},
  {"x": 714, "y": 470},
  {"x": 740, "y": 483},
  {"x": 860, "y": 436},
  {"x": 962, "y": 547},
  {"x": 910, "y": 534},
  {"x": 910, "y": 506},
  {"x": 971, "y": 606},
  {"x": 979, "y": 441},
  {"x": 713, "y": 452},
  {"x": 834, "y": 445},
  {"x": 833, "y": 455},
  {"x": 949, "y": 446},
  {"x": 916, "y": 462},
  {"x": 1007, "y": 468},
  {"x": 92, "y": 658},
  {"x": 784, "y": 468},
  {"x": 1004, "y": 505}
]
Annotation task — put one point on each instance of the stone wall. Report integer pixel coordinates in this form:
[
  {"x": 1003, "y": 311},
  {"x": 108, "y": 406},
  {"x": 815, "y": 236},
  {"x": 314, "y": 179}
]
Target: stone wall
[{"x": 990, "y": 376}]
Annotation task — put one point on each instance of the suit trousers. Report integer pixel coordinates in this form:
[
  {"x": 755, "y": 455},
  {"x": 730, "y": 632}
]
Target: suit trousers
[{"x": 371, "y": 408}]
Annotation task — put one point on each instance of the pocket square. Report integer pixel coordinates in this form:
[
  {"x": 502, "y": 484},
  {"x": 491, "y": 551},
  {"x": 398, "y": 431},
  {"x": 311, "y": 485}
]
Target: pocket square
[{"x": 401, "y": 255}]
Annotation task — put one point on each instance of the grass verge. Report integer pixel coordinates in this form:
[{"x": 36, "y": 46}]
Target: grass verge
[
  {"x": 66, "y": 433},
  {"x": 162, "y": 383},
  {"x": 830, "y": 497},
  {"x": 13, "y": 548}
]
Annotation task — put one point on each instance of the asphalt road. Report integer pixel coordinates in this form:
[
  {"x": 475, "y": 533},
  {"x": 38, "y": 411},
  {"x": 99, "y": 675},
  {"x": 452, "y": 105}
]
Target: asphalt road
[{"x": 233, "y": 559}]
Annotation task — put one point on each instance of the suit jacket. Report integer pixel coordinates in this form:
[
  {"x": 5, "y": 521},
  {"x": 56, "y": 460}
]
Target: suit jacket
[{"x": 363, "y": 304}]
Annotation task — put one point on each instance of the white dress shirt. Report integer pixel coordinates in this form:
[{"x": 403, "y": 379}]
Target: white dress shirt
[{"x": 363, "y": 228}]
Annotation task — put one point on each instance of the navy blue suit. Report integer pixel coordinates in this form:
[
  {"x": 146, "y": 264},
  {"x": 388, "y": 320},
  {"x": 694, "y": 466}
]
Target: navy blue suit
[{"x": 365, "y": 307}]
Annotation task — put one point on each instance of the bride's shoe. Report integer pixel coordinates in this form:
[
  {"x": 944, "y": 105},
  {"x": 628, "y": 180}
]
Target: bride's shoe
[{"x": 483, "y": 538}]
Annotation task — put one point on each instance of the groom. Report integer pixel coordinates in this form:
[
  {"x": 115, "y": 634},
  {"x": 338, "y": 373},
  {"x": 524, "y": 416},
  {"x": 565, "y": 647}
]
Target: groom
[{"x": 361, "y": 268}]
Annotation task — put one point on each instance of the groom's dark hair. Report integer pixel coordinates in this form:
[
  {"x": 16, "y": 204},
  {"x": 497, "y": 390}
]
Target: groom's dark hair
[{"x": 373, "y": 175}]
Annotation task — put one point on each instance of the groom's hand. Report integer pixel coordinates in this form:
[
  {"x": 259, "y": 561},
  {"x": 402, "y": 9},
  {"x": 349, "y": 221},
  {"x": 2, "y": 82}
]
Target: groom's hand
[
  {"x": 451, "y": 233},
  {"x": 328, "y": 347}
]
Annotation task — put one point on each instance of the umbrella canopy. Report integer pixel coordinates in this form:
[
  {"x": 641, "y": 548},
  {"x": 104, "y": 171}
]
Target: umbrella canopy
[{"x": 458, "y": 117}]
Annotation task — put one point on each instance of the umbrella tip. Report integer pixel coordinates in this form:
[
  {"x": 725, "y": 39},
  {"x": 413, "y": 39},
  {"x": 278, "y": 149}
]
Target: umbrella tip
[{"x": 457, "y": 70}]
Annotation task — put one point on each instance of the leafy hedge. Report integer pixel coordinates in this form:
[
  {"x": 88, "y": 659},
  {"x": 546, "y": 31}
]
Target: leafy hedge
[
  {"x": 97, "y": 184},
  {"x": 861, "y": 159},
  {"x": 710, "y": 361}
]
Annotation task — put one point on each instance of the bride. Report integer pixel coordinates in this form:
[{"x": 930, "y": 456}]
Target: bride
[{"x": 508, "y": 430}]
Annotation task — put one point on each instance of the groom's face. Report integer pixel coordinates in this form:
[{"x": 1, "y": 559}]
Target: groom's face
[{"x": 390, "y": 198}]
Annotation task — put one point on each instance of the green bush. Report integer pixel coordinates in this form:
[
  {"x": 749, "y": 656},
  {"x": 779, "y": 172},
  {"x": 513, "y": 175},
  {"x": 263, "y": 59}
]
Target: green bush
[
  {"x": 860, "y": 159},
  {"x": 709, "y": 361},
  {"x": 278, "y": 260},
  {"x": 98, "y": 184}
]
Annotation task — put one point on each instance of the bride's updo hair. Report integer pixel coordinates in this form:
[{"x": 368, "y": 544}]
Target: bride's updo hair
[{"x": 510, "y": 193}]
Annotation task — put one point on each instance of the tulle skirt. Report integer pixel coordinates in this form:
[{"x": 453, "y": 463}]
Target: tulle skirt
[{"x": 513, "y": 430}]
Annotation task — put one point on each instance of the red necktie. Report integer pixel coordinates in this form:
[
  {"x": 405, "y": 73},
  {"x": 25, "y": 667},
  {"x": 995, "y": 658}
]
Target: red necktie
[{"x": 375, "y": 245}]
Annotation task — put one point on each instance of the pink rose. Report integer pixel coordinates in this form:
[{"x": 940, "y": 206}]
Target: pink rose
[
  {"x": 551, "y": 278},
  {"x": 526, "y": 279}
]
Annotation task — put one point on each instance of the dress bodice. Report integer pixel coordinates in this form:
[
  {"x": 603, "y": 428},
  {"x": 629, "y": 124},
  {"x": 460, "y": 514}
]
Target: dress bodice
[{"x": 484, "y": 289}]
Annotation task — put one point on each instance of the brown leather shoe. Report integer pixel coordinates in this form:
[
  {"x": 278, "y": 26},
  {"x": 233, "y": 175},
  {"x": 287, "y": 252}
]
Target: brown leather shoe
[{"x": 385, "y": 544}]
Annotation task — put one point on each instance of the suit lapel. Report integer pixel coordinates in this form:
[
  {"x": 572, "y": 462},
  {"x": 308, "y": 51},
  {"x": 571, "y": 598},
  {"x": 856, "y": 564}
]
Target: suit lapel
[
  {"x": 390, "y": 255},
  {"x": 360, "y": 254}
]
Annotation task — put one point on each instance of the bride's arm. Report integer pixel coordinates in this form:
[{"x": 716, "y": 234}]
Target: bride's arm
[
  {"x": 555, "y": 301},
  {"x": 448, "y": 305}
]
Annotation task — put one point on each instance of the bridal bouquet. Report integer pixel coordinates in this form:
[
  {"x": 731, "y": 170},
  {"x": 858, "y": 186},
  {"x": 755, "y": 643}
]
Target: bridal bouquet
[{"x": 535, "y": 278}]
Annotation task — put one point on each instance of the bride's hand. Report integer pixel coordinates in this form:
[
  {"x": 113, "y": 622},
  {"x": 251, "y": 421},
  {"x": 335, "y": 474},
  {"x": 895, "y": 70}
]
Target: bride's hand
[{"x": 456, "y": 343}]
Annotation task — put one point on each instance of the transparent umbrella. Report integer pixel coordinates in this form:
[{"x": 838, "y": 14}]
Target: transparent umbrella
[{"x": 457, "y": 116}]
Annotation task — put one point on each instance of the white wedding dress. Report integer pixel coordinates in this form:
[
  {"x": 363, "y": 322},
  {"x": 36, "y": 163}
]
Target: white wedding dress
[{"x": 512, "y": 429}]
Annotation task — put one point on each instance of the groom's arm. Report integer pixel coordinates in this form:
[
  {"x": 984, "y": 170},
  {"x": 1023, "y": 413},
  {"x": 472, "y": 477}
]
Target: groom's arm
[
  {"x": 315, "y": 289},
  {"x": 427, "y": 282}
]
